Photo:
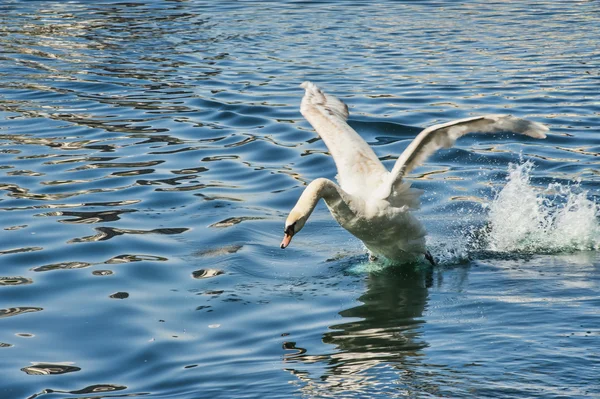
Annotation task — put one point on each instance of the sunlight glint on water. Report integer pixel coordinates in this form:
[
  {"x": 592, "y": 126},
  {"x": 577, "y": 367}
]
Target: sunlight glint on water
[{"x": 151, "y": 150}]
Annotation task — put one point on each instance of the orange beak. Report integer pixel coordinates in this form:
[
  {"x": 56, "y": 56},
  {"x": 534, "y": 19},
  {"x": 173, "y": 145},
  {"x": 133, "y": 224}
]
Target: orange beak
[{"x": 287, "y": 238}]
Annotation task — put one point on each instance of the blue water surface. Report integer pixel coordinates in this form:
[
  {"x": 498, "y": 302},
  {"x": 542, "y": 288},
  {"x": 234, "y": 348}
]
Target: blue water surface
[{"x": 150, "y": 151}]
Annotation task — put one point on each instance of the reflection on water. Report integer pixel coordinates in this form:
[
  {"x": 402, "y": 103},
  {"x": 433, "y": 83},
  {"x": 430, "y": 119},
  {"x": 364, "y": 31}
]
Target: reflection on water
[{"x": 383, "y": 332}]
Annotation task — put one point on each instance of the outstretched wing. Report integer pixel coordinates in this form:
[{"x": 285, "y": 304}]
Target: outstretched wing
[
  {"x": 444, "y": 135},
  {"x": 359, "y": 170}
]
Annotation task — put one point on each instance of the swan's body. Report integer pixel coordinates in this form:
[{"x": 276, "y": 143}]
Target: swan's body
[{"x": 370, "y": 202}]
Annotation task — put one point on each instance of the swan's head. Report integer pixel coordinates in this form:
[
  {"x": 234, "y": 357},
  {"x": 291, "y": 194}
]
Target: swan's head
[{"x": 293, "y": 224}]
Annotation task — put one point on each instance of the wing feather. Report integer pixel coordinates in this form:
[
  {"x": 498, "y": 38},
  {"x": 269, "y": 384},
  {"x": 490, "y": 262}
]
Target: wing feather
[
  {"x": 359, "y": 170},
  {"x": 445, "y": 135}
]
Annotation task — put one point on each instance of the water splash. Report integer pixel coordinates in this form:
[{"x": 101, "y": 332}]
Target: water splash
[
  {"x": 520, "y": 220},
  {"x": 523, "y": 219}
]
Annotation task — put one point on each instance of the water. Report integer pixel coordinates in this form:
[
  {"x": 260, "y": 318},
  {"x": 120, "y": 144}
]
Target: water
[{"x": 150, "y": 151}]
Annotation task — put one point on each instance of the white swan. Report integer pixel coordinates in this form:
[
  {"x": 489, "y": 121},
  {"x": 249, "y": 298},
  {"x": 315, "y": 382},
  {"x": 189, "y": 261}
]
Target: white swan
[{"x": 370, "y": 202}]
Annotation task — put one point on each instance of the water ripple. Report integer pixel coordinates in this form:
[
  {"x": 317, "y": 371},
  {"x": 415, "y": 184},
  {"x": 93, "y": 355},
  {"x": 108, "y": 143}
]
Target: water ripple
[
  {"x": 17, "y": 311},
  {"x": 233, "y": 221},
  {"x": 62, "y": 266},
  {"x": 106, "y": 233},
  {"x": 15, "y": 280},
  {"x": 127, "y": 258},
  {"x": 20, "y": 250},
  {"x": 49, "y": 369},
  {"x": 89, "y": 217},
  {"x": 164, "y": 140},
  {"x": 206, "y": 273}
]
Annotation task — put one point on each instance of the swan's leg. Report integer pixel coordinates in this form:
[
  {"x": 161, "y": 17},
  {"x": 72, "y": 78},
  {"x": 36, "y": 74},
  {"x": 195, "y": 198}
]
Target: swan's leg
[{"x": 430, "y": 258}]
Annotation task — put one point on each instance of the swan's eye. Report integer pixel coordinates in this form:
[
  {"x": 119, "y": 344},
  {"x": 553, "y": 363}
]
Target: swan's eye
[{"x": 290, "y": 229}]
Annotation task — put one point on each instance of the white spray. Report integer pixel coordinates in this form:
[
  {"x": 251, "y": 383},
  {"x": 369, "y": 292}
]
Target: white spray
[{"x": 558, "y": 219}]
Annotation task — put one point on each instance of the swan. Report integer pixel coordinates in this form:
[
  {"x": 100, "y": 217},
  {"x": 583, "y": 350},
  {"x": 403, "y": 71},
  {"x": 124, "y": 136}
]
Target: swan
[{"x": 370, "y": 202}]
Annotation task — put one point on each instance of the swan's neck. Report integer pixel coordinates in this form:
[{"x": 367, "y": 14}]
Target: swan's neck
[{"x": 337, "y": 200}]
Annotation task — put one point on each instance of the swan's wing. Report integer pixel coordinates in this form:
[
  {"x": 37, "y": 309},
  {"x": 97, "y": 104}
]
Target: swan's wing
[
  {"x": 359, "y": 169},
  {"x": 444, "y": 135}
]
